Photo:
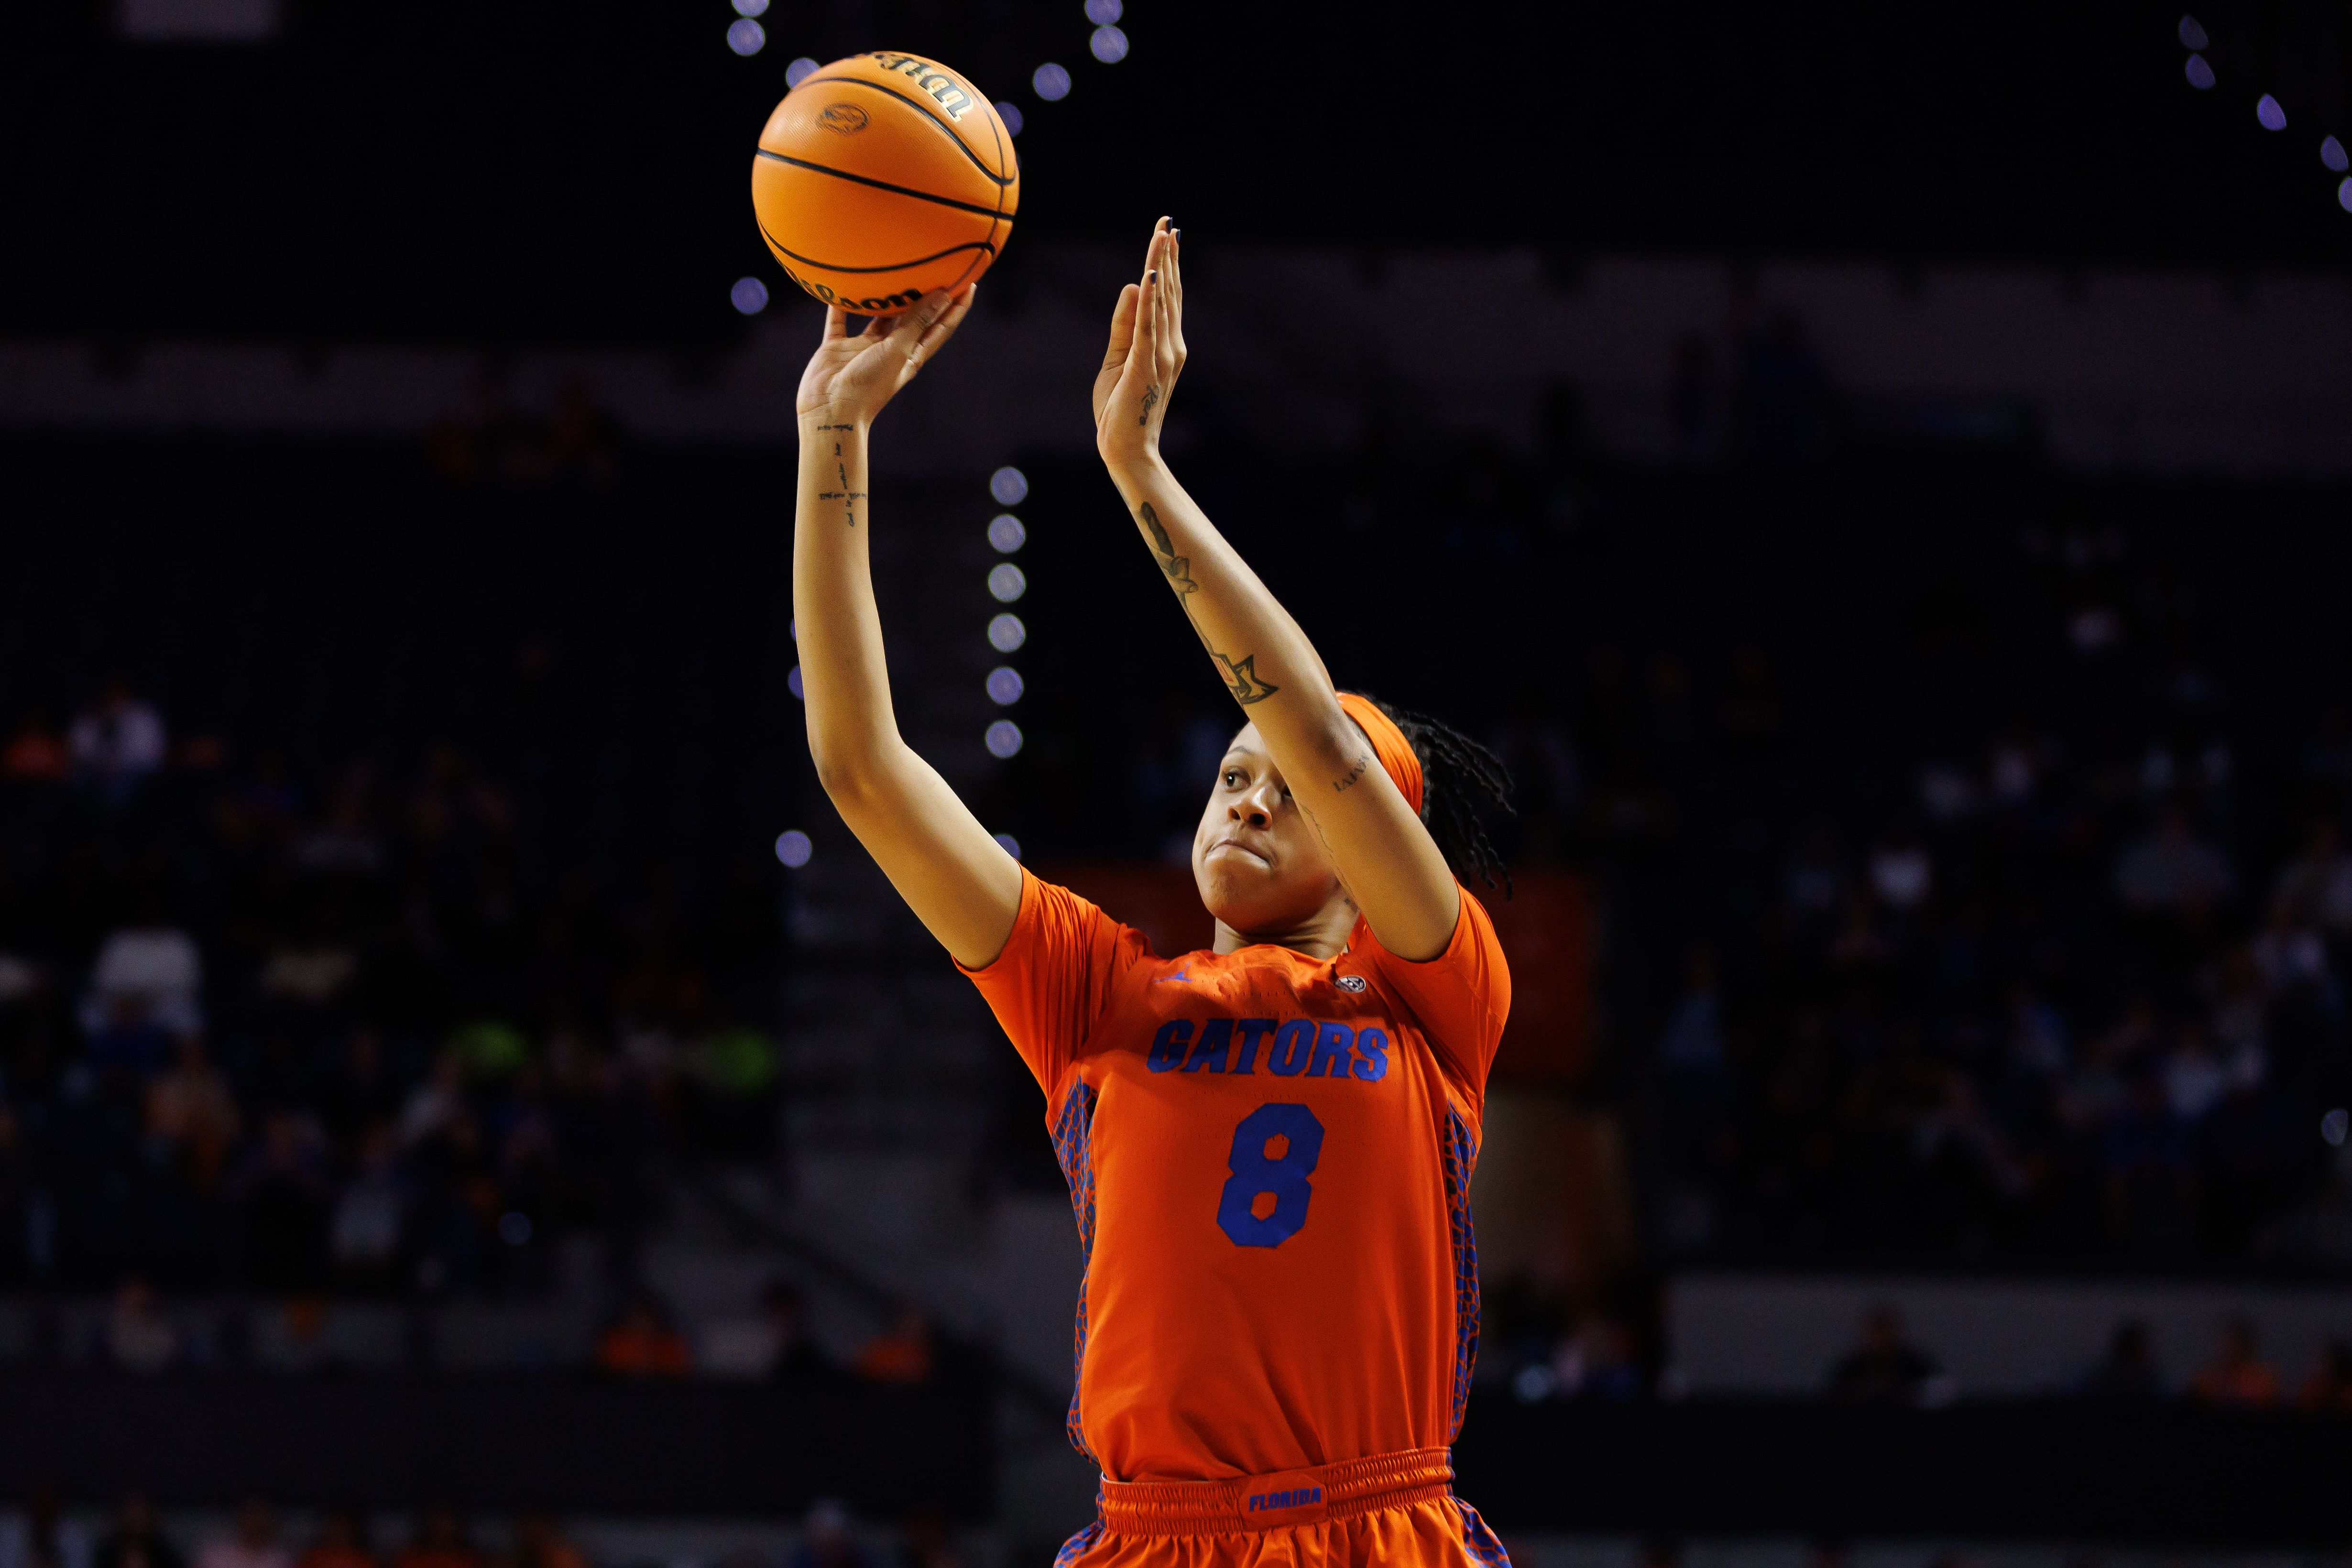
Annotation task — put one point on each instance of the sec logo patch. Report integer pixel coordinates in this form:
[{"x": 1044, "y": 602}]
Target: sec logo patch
[{"x": 1351, "y": 982}]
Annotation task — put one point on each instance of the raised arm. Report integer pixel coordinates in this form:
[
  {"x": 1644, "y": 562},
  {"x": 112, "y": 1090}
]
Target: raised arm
[
  {"x": 1392, "y": 867},
  {"x": 959, "y": 881}
]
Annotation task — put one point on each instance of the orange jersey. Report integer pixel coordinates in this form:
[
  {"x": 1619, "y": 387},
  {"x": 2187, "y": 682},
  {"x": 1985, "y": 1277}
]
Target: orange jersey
[{"x": 1269, "y": 1156}]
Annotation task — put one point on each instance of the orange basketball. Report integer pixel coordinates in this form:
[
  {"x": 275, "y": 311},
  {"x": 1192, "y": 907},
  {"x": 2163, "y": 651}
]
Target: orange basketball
[{"x": 883, "y": 177}]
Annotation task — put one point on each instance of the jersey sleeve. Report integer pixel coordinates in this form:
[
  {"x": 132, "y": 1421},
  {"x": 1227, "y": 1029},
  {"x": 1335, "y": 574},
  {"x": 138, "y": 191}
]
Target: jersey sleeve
[
  {"x": 1051, "y": 982},
  {"x": 1460, "y": 997}
]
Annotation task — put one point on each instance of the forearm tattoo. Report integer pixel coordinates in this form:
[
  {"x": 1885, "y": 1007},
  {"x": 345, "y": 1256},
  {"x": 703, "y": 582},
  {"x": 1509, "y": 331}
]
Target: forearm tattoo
[
  {"x": 1355, "y": 775},
  {"x": 1179, "y": 568},
  {"x": 1240, "y": 676}
]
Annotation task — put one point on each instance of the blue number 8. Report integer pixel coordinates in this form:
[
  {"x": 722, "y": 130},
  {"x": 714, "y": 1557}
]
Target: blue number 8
[{"x": 1255, "y": 1173}]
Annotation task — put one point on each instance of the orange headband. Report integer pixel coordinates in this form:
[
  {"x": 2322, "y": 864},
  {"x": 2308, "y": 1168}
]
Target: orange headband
[{"x": 1388, "y": 745}]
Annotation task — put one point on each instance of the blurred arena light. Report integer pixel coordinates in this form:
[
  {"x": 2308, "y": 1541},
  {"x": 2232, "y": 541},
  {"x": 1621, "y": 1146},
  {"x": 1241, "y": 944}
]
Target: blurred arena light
[
  {"x": 1009, "y": 486},
  {"x": 1003, "y": 738},
  {"x": 2331, "y": 153},
  {"x": 2344, "y": 195},
  {"x": 1103, "y": 13},
  {"x": 747, "y": 37},
  {"x": 1005, "y": 685},
  {"x": 2335, "y": 1125},
  {"x": 1050, "y": 83},
  {"x": 1006, "y": 582},
  {"x": 1011, "y": 845},
  {"x": 1108, "y": 45},
  {"x": 2272, "y": 116},
  {"x": 1010, "y": 113},
  {"x": 1005, "y": 532},
  {"x": 751, "y": 7},
  {"x": 514, "y": 1228},
  {"x": 1006, "y": 633},
  {"x": 2192, "y": 37},
  {"x": 793, "y": 682},
  {"x": 799, "y": 71},
  {"x": 793, "y": 849},
  {"x": 749, "y": 295},
  {"x": 2200, "y": 75}
]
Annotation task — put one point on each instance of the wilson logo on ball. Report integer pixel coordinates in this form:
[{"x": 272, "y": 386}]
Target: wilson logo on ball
[
  {"x": 944, "y": 89},
  {"x": 870, "y": 306},
  {"x": 846, "y": 118}
]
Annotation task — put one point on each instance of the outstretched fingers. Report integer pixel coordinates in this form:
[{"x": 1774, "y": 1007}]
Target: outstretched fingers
[
  {"x": 836, "y": 322},
  {"x": 1176, "y": 292},
  {"x": 1122, "y": 324},
  {"x": 943, "y": 327},
  {"x": 906, "y": 332},
  {"x": 1147, "y": 325}
]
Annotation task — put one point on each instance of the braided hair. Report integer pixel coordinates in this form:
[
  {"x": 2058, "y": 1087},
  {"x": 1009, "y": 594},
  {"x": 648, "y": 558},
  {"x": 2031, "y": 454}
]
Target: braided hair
[{"x": 1457, "y": 774}]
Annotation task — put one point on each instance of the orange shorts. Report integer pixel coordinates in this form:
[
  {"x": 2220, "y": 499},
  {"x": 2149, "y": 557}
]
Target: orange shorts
[{"x": 1390, "y": 1510}]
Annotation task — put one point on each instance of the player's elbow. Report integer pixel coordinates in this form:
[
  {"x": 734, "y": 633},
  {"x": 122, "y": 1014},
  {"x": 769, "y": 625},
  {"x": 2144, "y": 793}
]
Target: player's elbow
[
  {"x": 848, "y": 778},
  {"x": 861, "y": 776}
]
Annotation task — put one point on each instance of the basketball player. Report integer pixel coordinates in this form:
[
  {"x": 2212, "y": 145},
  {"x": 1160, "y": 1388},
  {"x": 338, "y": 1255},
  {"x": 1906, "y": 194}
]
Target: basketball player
[{"x": 1268, "y": 1144}]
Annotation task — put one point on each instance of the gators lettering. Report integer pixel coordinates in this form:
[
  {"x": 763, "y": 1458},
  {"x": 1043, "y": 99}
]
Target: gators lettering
[{"x": 1309, "y": 1048}]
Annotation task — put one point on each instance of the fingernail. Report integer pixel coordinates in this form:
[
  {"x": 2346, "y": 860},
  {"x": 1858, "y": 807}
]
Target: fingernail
[
  {"x": 1176, "y": 235},
  {"x": 1151, "y": 276}
]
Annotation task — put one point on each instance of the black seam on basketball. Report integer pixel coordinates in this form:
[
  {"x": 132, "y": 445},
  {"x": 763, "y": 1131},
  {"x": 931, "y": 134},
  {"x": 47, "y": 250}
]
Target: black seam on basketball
[
  {"x": 894, "y": 266},
  {"x": 997, "y": 222},
  {"x": 1006, "y": 188},
  {"x": 1003, "y": 155},
  {"x": 945, "y": 129},
  {"x": 886, "y": 186},
  {"x": 967, "y": 268}
]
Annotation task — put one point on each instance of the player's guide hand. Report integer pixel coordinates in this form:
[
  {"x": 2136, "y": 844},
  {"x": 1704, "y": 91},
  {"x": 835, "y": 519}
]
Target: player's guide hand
[
  {"x": 849, "y": 379},
  {"x": 1145, "y": 357}
]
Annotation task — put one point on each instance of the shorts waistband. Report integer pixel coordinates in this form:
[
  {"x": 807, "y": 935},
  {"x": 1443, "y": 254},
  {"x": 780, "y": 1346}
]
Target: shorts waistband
[{"x": 1338, "y": 1491}]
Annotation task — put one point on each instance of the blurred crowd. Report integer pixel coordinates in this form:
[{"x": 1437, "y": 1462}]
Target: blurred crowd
[
  {"x": 1885, "y": 1367},
  {"x": 1533, "y": 1349},
  {"x": 341, "y": 1029},
  {"x": 136, "y": 1535},
  {"x": 2064, "y": 1003}
]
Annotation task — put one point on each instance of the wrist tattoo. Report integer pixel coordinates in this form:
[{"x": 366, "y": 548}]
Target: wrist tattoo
[
  {"x": 846, "y": 496},
  {"x": 1150, "y": 396},
  {"x": 1355, "y": 775}
]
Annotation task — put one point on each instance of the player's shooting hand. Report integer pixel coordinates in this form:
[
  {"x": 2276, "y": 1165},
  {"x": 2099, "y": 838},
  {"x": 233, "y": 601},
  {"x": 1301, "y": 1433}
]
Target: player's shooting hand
[
  {"x": 1145, "y": 357},
  {"x": 851, "y": 377}
]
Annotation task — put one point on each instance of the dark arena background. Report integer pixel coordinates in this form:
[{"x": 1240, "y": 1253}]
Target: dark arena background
[{"x": 1882, "y": 479}]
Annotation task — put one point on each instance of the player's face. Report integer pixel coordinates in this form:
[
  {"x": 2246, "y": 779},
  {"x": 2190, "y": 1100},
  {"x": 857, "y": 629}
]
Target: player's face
[{"x": 1261, "y": 868}]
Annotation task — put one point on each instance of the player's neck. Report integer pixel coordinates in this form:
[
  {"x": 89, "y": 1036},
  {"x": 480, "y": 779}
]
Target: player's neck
[{"x": 1323, "y": 934}]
